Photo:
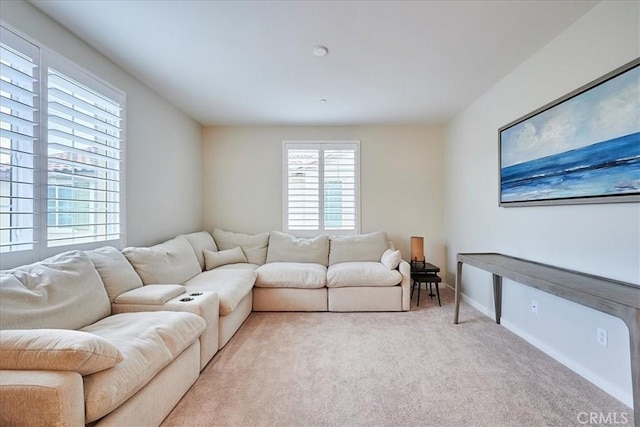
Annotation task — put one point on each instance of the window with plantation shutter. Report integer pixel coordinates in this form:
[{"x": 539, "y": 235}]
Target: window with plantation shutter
[
  {"x": 83, "y": 169},
  {"x": 321, "y": 188},
  {"x": 61, "y": 162},
  {"x": 19, "y": 118}
]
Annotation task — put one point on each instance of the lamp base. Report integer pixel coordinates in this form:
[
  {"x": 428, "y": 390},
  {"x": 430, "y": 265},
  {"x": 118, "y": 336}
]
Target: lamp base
[{"x": 418, "y": 263}]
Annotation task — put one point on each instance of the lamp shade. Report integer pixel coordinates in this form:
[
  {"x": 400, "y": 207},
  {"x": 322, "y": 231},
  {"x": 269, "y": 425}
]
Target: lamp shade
[{"x": 417, "y": 248}]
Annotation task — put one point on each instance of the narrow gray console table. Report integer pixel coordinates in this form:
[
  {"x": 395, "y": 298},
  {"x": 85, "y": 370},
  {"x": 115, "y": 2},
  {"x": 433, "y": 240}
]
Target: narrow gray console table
[{"x": 619, "y": 299}]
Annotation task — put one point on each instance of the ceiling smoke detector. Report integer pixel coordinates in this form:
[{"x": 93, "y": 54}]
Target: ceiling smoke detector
[{"x": 320, "y": 50}]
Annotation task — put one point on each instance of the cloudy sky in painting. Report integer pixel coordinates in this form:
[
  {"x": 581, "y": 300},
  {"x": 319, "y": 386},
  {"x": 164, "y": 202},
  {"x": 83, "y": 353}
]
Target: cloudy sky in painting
[{"x": 605, "y": 112}]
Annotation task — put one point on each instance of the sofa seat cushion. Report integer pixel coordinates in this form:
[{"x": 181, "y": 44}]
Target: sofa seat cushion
[
  {"x": 231, "y": 285},
  {"x": 148, "y": 342},
  {"x": 355, "y": 274},
  {"x": 292, "y": 275}
]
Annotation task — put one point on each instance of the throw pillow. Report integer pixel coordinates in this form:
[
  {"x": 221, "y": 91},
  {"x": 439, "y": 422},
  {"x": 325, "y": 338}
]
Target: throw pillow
[
  {"x": 56, "y": 350},
  {"x": 229, "y": 256},
  {"x": 391, "y": 259},
  {"x": 253, "y": 246}
]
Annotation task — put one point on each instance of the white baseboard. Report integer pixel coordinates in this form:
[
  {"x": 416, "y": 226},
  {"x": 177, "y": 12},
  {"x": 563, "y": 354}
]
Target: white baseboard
[
  {"x": 481, "y": 308},
  {"x": 603, "y": 383}
]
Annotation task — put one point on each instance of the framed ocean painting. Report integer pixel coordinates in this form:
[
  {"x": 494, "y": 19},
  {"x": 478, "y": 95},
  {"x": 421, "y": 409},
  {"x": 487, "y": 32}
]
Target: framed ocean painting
[{"x": 581, "y": 148}]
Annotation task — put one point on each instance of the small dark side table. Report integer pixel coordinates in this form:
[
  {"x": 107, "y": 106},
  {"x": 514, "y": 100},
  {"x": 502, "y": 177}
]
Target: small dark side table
[{"x": 428, "y": 273}]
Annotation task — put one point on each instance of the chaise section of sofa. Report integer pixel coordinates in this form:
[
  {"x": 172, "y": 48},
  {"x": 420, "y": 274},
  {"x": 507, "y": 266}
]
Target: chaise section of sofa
[
  {"x": 148, "y": 341},
  {"x": 175, "y": 298},
  {"x": 160, "y": 270},
  {"x": 74, "y": 362},
  {"x": 233, "y": 288},
  {"x": 179, "y": 262}
]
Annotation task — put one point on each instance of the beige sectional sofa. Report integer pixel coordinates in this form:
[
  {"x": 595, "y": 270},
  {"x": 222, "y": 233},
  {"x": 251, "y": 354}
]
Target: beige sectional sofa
[{"x": 117, "y": 337}]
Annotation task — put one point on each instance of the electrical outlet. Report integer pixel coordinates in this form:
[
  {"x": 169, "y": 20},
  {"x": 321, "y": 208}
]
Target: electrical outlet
[
  {"x": 602, "y": 337},
  {"x": 534, "y": 306}
]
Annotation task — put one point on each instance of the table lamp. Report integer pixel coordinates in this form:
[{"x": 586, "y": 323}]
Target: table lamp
[{"x": 417, "y": 249}]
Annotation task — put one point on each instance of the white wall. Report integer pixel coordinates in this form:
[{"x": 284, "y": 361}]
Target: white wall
[
  {"x": 599, "y": 239},
  {"x": 401, "y": 179},
  {"x": 163, "y": 145}
]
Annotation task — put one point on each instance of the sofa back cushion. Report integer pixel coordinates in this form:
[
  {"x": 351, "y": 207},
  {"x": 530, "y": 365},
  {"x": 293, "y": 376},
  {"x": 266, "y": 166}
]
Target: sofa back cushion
[
  {"x": 253, "y": 246},
  {"x": 362, "y": 247},
  {"x": 116, "y": 271},
  {"x": 61, "y": 292},
  {"x": 287, "y": 248},
  {"x": 172, "y": 262},
  {"x": 200, "y": 242}
]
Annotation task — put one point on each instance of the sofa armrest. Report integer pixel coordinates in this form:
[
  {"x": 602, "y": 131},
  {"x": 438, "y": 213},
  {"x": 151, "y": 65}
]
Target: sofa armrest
[
  {"x": 405, "y": 270},
  {"x": 150, "y": 294},
  {"x": 204, "y": 304},
  {"x": 192, "y": 302},
  {"x": 41, "y": 398}
]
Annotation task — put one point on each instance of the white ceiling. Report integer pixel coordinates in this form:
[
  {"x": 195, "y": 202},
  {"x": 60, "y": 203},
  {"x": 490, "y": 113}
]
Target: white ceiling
[{"x": 251, "y": 62}]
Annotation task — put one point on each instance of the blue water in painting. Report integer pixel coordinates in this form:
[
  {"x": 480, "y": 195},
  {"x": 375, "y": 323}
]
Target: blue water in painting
[{"x": 606, "y": 168}]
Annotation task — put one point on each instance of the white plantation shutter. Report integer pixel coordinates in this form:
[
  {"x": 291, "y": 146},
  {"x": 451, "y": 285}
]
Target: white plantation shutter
[
  {"x": 303, "y": 180},
  {"x": 18, "y": 138},
  {"x": 84, "y": 149},
  {"x": 61, "y": 155},
  {"x": 339, "y": 189},
  {"x": 321, "y": 188}
]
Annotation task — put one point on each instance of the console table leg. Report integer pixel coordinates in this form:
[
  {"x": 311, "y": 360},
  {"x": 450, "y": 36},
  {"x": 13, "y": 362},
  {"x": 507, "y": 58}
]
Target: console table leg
[
  {"x": 457, "y": 293},
  {"x": 634, "y": 329},
  {"x": 497, "y": 296}
]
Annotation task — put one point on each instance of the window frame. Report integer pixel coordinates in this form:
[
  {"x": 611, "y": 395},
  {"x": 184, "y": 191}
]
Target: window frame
[
  {"x": 320, "y": 145},
  {"x": 49, "y": 58}
]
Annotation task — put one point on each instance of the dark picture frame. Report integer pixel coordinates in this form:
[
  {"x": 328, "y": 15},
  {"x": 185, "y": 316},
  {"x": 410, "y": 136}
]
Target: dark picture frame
[{"x": 581, "y": 148}]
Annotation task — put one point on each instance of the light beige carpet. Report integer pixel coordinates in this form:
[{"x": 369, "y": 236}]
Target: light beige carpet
[{"x": 386, "y": 369}]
